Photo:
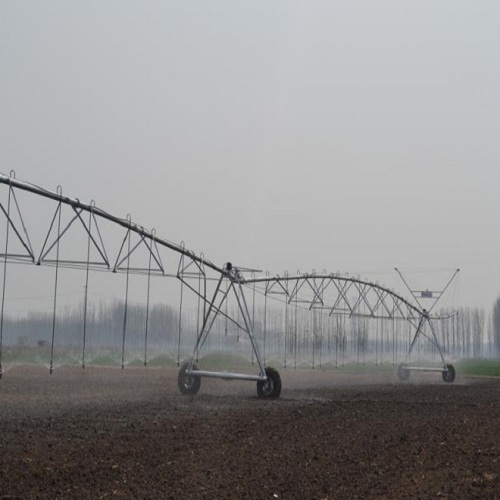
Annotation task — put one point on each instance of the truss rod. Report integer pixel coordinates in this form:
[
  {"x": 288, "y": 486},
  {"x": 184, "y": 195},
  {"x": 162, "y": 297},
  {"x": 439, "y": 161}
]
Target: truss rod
[
  {"x": 127, "y": 224},
  {"x": 342, "y": 283}
]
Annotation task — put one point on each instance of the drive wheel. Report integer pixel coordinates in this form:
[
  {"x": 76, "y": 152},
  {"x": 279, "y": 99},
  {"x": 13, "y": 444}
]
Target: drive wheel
[
  {"x": 188, "y": 384},
  {"x": 403, "y": 372},
  {"x": 270, "y": 388},
  {"x": 449, "y": 374}
]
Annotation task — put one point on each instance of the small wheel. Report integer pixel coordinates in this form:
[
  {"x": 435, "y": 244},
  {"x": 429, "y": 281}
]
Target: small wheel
[
  {"x": 270, "y": 388},
  {"x": 188, "y": 384},
  {"x": 403, "y": 372},
  {"x": 449, "y": 374}
]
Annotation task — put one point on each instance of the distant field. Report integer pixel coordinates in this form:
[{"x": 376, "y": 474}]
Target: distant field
[{"x": 223, "y": 361}]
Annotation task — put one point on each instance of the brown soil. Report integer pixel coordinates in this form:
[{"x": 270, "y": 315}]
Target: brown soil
[{"x": 99, "y": 433}]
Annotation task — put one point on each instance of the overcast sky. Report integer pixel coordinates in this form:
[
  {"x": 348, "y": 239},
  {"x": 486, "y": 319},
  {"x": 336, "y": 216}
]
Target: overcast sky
[{"x": 351, "y": 136}]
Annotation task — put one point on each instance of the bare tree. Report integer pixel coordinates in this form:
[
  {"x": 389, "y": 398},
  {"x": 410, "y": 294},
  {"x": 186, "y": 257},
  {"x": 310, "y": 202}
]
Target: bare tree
[
  {"x": 478, "y": 320},
  {"x": 490, "y": 337},
  {"x": 496, "y": 327}
]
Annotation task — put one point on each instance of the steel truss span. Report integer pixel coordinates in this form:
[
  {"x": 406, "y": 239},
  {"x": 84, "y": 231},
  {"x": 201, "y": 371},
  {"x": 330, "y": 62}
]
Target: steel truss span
[{"x": 48, "y": 229}]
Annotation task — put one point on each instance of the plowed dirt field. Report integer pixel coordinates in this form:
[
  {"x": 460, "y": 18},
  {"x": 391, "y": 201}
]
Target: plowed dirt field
[{"x": 104, "y": 432}]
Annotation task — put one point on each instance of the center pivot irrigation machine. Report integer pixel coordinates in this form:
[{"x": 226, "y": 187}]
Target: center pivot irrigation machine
[{"x": 47, "y": 229}]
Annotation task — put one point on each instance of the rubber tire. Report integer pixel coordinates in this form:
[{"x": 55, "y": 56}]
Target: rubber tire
[
  {"x": 403, "y": 372},
  {"x": 449, "y": 375},
  {"x": 270, "y": 388},
  {"x": 188, "y": 384}
]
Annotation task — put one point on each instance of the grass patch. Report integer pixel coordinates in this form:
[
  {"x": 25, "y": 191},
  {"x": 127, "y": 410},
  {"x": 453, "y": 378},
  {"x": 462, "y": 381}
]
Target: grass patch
[
  {"x": 224, "y": 361},
  {"x": 24, "y": 355},
  {"x": 479, "y": 367}
]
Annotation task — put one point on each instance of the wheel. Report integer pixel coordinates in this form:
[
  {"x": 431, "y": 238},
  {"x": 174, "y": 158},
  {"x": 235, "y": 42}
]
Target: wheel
[
  {"x": 270, "y": 388},
  {"x": 449, "y": 374},
  {"x": 403, "y": 372},
  {"x": 188, "y": 384}
]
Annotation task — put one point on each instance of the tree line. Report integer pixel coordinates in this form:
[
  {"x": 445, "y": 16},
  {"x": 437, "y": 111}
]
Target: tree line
[{"x": 294, "y": 335}]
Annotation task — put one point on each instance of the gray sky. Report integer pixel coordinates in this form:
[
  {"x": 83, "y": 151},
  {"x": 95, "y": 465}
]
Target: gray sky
[{"x": 351, "y": 136}]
